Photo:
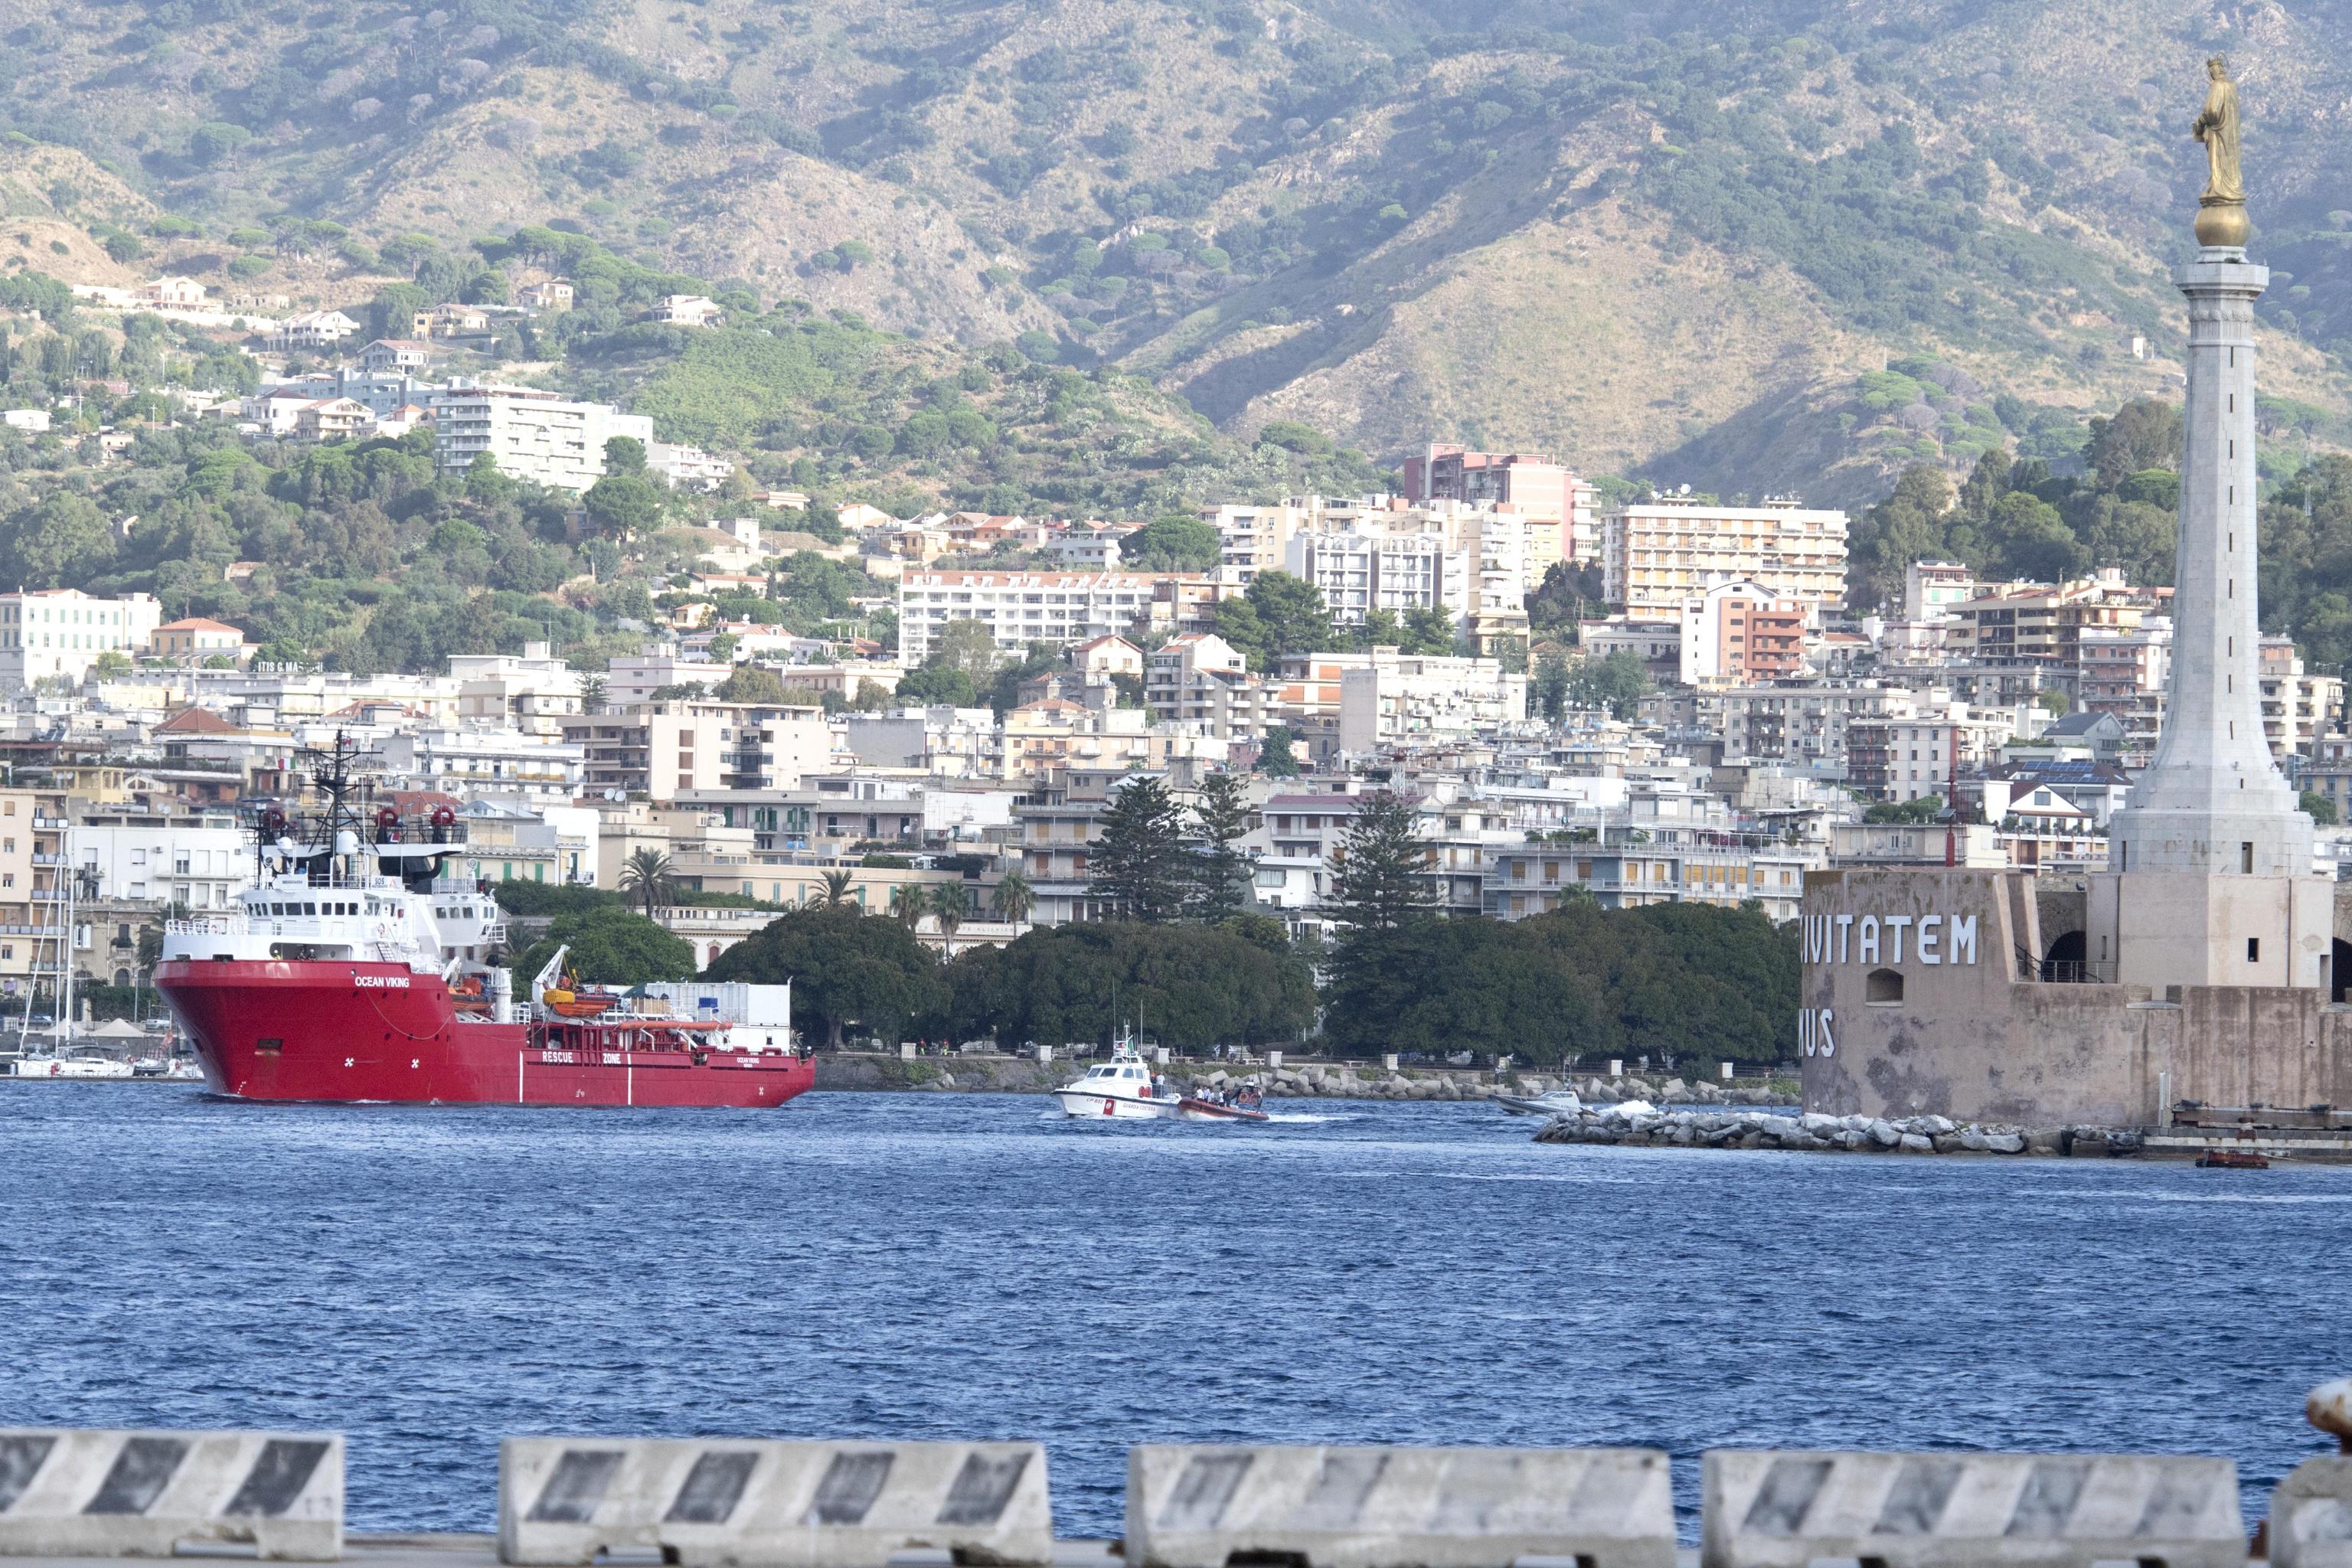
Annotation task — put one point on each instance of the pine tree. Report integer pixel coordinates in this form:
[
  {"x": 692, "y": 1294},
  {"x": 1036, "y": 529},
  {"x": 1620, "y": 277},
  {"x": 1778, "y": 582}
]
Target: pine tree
[
  {"x": 1380, "y": 881},
  {"x": 1220, "y": 870},
  {"x": 1382, "y": 900},
  {"x": 1138, "y": 862}
]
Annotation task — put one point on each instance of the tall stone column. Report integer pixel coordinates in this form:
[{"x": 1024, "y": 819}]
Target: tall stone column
[{"x": 2214, "y": 802}]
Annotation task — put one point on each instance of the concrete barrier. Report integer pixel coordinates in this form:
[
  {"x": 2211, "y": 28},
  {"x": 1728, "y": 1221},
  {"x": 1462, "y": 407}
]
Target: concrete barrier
[
  {"x": 65, "y": 1493},
  {"x": 2311, "y": 1516},
  {"x": 1206, "y": 1506},
  {"x": 789, "y": 1505},
  {"x": 1766, "y": 1510}
]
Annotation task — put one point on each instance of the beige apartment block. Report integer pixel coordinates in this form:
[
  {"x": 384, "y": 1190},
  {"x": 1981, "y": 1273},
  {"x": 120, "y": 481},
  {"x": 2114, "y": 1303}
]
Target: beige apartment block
[{"x": 1655, "y": 555}]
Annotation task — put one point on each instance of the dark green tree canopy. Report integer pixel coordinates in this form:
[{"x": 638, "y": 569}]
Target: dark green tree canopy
[
  {"x": 1189, "y": 986},
  {"x": 846, "y": 967},
  {"x": 1138, "y": 862},
  {"x": 610, "y": 946}
]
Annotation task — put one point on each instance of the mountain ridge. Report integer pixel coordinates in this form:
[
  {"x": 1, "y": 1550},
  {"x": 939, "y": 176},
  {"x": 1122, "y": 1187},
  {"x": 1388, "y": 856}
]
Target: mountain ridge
[{"x": 1657, "y": 251}]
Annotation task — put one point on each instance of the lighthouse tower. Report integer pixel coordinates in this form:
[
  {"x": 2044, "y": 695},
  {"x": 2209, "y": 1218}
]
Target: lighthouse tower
[{"x": 2210, "y": 878}]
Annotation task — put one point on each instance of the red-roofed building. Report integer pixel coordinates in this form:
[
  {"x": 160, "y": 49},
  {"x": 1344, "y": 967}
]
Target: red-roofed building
[{"x": 195, "y": 639}]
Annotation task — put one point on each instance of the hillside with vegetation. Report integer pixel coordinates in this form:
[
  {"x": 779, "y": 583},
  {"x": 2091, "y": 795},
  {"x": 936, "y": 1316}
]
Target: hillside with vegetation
[{"x": 1793, "y": 247}]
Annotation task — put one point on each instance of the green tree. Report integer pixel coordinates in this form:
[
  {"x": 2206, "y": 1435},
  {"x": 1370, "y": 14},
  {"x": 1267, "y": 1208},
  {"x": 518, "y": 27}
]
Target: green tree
[
  {"x": 1237, "y": 982},
  {"x": 151, "y": 936},
  {"x": 937, "y": 684},
  {"x": 1616, "y": 683},
  {"x": 950, "y": 905},
  {"x": 646, "y": 875},
  {"x": 2322, "y": 810},
  {"x": 1174, "y": 544},
  {"x": 967, "y": 645},
  {"x": 1909, "y": 525},
  {"x": 1276, "y": 760},
  {"x": 1562, "y": 599},
  {"x": 609, "y": 947},
  {"x": 109, "y": 666},
  {"x": 60, "y": 542},
  {"x": 625, "y": 455},
  {"x": 1221, "y": 872},
  {"x": 1474, "y": 984},
  {"x": 750, "y": 683},
  {"x": 1381, "y": 897},
  {"x": 906, "y": 904},
  {"x": 1014, "y": 897},
  {"x": 2029, "y": 539},
  {"x": 2143, "y": 433},
  {"x": 1137, "y": 865},
  {"x": 1926, "y": 808},
  {"x": 846, "y": 967},
  {"x": 836, "y": 890},
  {"x": 1379, "y": 879},
  {"x": 1550, "y": 686},
  {"x": 1380, "y": 629},
  {"x": 621, "y": 504},
  {"x": 392, "y": 312},
  {"x": 1292, "y": 612},
  {"x": 1428, "y": 631}
]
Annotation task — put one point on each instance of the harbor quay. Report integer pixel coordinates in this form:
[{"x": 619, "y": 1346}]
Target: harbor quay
[
  {"x": 1281, "y": 1074},
  {"x": 79, "y": 1495}
]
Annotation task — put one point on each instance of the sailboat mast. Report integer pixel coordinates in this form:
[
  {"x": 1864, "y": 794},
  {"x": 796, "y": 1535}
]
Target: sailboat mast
[{"x": 66, "y": 937}]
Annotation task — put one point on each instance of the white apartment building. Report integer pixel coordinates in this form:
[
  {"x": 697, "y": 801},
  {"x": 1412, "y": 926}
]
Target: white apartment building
[
  {"x": 1656, "y": 555},
  {"x": 1202, "y": 680},
  {"x": 202, "y": 865},
  {"x": 1406, "y": 699},
  {"x": 632, "y": 678},
  {"x": 658, "y": 749},
  {"x": 1022, "y": 607},
  {"x": 1915, "y": 755},
  {"x": 1366, "y": 567},
  {"x": 529, "y": 433},
  {"x": 482, "y": 759},
  {"x": 1804, "y": 726},
  {"x": 50, "y": 632},
  {"x": 686, "y": 468}
]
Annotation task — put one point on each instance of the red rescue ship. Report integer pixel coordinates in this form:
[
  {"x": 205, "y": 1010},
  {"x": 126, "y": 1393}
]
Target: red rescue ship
[{"x": 356, "y": 968}]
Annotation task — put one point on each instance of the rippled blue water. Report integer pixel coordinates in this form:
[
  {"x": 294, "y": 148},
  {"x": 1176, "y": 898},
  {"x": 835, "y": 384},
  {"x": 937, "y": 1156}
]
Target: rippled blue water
[{"x": 905, "y": 1265}]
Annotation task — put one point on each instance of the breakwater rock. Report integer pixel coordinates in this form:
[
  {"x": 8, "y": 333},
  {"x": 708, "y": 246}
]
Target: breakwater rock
[{"x": 1813, "y": 1131}]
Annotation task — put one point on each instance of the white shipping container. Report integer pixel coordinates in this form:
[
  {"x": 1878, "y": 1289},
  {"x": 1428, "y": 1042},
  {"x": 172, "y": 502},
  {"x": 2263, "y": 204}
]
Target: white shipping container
[{"x": 730, "y": 1002}]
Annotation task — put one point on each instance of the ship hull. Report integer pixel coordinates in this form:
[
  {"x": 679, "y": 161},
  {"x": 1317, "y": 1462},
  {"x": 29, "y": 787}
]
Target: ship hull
[{"x": 291, "y": 1030}]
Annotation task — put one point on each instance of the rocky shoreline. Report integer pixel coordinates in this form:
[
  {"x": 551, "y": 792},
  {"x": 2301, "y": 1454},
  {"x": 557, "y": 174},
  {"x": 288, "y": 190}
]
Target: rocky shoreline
[
  {"x": 848, "y": 1070},
  {"x": 1845, "y": 1134}
]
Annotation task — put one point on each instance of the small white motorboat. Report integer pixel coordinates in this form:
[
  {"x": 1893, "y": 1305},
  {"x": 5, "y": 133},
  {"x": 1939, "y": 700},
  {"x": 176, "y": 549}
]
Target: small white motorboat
[
  {"x": 1554, "y": 1102},
  {"x": 1118, "y": 1089},
  {"x": 1194, "y": 1109}
]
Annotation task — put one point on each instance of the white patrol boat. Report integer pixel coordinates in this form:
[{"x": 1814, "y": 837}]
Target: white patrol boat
[{"x": 1118, "y": 1089}]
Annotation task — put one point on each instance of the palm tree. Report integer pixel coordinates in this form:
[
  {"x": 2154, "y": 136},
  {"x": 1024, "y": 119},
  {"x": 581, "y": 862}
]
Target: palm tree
[
  {"x": 646, "y": 873},
  {"x": 1015, "y": 898},
  {"x": 836, "y": 889},
  {"x": 906, "y": 902},
  {"x": 951, "y": 902}
]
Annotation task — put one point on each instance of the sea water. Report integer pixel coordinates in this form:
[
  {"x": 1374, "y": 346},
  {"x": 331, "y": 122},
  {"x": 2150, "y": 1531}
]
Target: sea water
[{"x": 935, "y": 1266}]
